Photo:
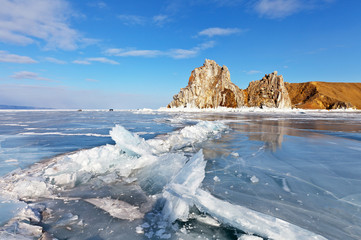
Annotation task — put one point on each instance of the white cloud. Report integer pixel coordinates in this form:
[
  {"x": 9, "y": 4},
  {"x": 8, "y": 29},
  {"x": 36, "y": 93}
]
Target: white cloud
[
  {"x": 132, "y": 19},
  {"x": 251, "y": 72},
  {"x": 173, "y": 53},
  {"x": 210, "y": 32},
  {"x": 133, "y": 53},
  {"x": 183, "y": 53},
  {"x": 9, "y": 37},
  {"x": 176, "y": 7},
  {"x": 54, "y": 60},
  {"x": 277, "y": 8},
  {"x": 102, "y": 60},
  {"x": 98, "y": 4},
  {"x": 206, "y": 45},
  {"x": 160, "y": 19},
  {"x": 102, "y": 4},
  {"x": 81, "y": 62},
  {"x": 189, "y": 53},
  {"x": 13, "y": 58},
  {"x": 283, "y": 8},
  {"x": 29, "y": 75},
  {"x": 88, "y": 61},
  {"x": 28, "y": 21}
]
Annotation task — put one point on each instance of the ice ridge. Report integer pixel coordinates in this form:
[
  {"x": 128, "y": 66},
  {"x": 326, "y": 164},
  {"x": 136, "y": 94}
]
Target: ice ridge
[
  {"x": 130, "y": 158},
  {"x": 184, "y": 191},
  {"x": 134, "y": 157},
  {"x": 109, "y": 163}
]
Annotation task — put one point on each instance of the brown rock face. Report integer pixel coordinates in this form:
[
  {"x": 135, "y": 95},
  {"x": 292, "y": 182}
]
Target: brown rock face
[
  {"x": 209, "y": 86},
  {"x": 324, "y": 95},
  {"x": 270, "y": 92}
]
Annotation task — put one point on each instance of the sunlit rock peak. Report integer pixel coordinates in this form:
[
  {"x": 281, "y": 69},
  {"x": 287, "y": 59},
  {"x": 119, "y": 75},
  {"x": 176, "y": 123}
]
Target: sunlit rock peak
[
  {"x": 209, "y": 86},
  {"x": 270, "y": 92}
]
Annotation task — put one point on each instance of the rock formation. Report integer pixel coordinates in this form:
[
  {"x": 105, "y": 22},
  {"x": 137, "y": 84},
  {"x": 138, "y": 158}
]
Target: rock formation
[
  {"x": 325, "y": 95},
  {"x": 209, "y": 86},
  {"x": 270, "y": 92}
]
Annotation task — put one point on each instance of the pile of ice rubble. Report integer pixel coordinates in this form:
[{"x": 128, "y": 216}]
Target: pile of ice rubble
[{"x": 133, "y": 159}]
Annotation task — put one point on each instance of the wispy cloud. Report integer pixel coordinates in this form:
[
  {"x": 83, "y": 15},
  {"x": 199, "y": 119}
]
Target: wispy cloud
[
  {"x": 13, "y": 58},
  {"x": 98, "y": 4},
  {"x": 161, "y": 19},
  {"x": 7, "y": 36},
  {"x": 175, "y": 7},
  {"x": 26, "y": 22},
  {"x": 183, "y": 53},
  {"x": 276, "y": 9},
  {"x": 211, "y": 32},
  {"x": 251, "y": 72},
  {"x": 102, "y": 60},
  {"x": 176, "y": 53},
  {"x": 189, "y": 53},
  {"x": 84, "y": 62},
  {"x": 29, "y": 75},
  {"x": 132, "y": 19},
  {"x": 54, "y": 60},
  {"x": 120, "y": 52},
  {"x": 88, "y": 61}
]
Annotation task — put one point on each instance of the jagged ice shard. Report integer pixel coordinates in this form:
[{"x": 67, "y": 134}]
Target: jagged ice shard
[{"x": 184, "y": 191}]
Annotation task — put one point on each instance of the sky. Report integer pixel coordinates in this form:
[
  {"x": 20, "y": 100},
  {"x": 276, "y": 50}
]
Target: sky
[{"x": 138, "y": 54}]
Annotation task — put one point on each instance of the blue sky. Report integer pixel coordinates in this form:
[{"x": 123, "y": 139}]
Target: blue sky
[{"x": 138, "y": 54}]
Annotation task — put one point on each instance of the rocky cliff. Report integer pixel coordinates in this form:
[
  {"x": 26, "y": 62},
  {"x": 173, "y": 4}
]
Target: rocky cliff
[
  {"x": 209, "y": 86},
  {"x": 325, "y": 95},
  {"x": 270, "y": 92}
]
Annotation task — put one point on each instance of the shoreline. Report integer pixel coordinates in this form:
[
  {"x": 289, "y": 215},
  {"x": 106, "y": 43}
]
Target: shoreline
[{"x": 196, "y": 110}]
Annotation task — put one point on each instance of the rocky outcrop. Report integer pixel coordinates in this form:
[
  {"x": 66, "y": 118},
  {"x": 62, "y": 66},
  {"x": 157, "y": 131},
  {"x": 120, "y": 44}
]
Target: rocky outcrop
[
  {"x": 270, "y": 92},
  {"x": 209, "y": 86},
  {"x": 325, "y": 95}
]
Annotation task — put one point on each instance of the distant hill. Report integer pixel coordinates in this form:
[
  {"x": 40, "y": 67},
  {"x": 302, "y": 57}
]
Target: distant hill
[
  {"x": 324, "y": 95},
  {"x": 18, "y": 107}
]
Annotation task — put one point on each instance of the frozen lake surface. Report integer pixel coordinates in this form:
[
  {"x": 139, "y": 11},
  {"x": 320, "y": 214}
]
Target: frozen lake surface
[{"x": 180, "y": 175}]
